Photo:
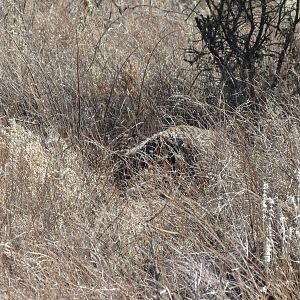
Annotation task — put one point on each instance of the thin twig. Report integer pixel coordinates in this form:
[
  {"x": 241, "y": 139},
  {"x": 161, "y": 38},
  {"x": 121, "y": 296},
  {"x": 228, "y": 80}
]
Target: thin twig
[{"x": 78, "y": 87}]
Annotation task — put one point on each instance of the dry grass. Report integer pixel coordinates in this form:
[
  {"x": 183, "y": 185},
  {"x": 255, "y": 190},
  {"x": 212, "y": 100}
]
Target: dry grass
[{"x": 79, "y": 84}]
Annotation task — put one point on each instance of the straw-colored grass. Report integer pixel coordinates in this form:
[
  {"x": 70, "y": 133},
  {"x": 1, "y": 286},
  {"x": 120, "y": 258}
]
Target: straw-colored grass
[{"x": 81, "y": 86}]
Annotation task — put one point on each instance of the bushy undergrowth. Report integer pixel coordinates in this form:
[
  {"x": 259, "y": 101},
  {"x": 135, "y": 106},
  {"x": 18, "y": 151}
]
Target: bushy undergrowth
[{"x": 79, "y": 85}]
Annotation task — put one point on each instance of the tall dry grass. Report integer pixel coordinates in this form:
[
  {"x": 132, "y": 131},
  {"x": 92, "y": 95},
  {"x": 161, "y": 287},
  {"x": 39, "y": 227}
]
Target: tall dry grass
[{"x": 79, "y": 84}]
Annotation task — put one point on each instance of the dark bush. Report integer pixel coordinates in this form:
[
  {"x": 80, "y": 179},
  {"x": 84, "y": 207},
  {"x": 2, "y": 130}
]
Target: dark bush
[{"x": 244, "y": 42}]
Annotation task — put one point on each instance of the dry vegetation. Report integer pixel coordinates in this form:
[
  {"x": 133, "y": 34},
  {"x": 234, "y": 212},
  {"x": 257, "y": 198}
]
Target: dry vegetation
[{"x": 78, "y": 86}]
